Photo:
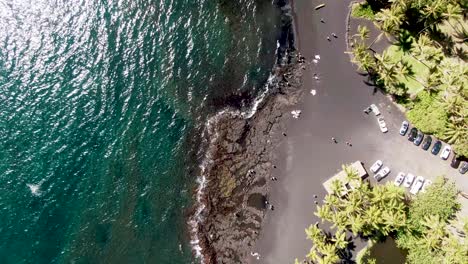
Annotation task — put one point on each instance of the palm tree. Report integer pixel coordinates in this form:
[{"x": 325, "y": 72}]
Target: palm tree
[
  {"x": 386, "y": 71},
  {"x": 433, "y": 54},
  {"x": 389, "y": 20},
  {"x": 329, "y": 251},
  {"x": 404, "y": 69},
  {"x": 373, "y": 217},
  {"x": 453, "y": 12},
  {"x": 363, "y": 32},
  {"x": 313, "y": 232},
  {"x": 436, "y": 231},
  {"x": 332, "y": 200},
  {"x": 385, "y": 60},
  {"x": 351, "y": 173},
  {"x": 455, "y": 134},
  {"x": 393, "y": 192},
  {"x": 337, "y": 187},
  {"x": 339, "y": 220},
  {"x": 313, "y": 255},
  {"x": 433, "y": 80},
  {"x": 356, "y": 224},
  {"x": 340, "y": 239},
  {"x": 432, "y": 11},
  {"x": 323, "y": 212},
  {"x": 354, "y": 204},
  {"x": 361, "y": 57},
  {"x": 419, "y": 47},
  {"x": 455, "y": 105}
]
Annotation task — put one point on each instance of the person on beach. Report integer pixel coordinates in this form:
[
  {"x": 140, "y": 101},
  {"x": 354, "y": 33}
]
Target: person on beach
[
  {"x": 255, "y": 254},
  {"x": 334, "y": 35},
  {"x": 321, "y": 20},
  {"x": 334, "y": 140},
  {"x": 328, "y": 38}
]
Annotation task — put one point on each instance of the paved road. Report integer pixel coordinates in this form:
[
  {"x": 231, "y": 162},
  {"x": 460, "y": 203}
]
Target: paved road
[{"x": 307, "y": 157}]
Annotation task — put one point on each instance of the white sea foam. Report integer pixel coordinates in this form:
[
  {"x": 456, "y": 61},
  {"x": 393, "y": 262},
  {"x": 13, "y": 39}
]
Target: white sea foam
[{"x": 35, "y": 189}]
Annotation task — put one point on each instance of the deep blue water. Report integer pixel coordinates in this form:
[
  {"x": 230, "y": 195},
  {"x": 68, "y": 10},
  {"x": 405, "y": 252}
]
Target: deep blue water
[{"x": 101, "y": 107}]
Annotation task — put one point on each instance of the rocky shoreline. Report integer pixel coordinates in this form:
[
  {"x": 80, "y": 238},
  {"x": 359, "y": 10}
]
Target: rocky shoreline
[{"x": 239, "y": 172}]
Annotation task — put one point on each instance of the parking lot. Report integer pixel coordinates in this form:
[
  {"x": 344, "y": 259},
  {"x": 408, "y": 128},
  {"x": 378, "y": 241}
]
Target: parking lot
[{"x": 401, "y": 155}]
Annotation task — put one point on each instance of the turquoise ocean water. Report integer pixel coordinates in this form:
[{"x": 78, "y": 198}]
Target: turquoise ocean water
[{"x": 101, "y": 108}]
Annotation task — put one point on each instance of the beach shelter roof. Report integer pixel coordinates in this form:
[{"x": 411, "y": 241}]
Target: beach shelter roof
[{"x": 341, "y": 176}]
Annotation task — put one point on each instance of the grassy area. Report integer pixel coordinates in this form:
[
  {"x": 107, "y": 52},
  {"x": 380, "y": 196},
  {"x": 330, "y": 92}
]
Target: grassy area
[
  {"x": 420, "y": 71},
  {"x": 362, "y": 10}
]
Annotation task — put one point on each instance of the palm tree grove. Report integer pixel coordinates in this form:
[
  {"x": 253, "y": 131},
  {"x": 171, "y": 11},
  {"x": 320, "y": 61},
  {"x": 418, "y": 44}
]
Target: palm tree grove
[
  {"x": 424, "y": 66},
  {"x": 424, "y": 227}
]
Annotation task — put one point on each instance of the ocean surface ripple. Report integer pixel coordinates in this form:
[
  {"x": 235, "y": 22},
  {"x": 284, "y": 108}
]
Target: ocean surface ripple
[{"x": 101, "y": 108}]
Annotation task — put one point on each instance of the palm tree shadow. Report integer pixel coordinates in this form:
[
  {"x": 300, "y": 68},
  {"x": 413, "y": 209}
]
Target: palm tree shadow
[
  {"x": 346, "y": 255},
  {"x": 371, "y": 83},
  {"x": 461, "y": 53},
  {"x": 446, "y": 41},
  {"x": 363, "y": 73},
  {"x": 404, "y": 40}
]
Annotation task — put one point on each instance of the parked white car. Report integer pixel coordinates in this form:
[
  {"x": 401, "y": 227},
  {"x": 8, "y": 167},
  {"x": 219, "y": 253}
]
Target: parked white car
[
  {"x": 375, "y": 109},
  {"x": 426, "y": 184},
  {"x": 376, "y": 166},
  {"x": 382, "y": 173},
  {"x": 399, "y": 179},
  {"x": 382, "y": 125},
  {"x": 445, "y": 152},
  {"x": 417, "y": 185},
  {"x": 404, "y": 127},
  {"x": 408, "y": 180}
]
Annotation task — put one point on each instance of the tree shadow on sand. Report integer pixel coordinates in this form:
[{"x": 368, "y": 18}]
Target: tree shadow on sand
[{"x": 346, "y": 254}]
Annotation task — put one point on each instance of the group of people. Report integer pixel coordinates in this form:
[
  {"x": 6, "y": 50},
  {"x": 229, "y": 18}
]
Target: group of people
[{"x": 336, "y": 142}]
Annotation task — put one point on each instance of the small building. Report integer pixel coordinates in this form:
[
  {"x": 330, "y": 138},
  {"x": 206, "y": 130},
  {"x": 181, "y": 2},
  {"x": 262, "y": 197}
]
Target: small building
[{"x": 342, "y": 177}]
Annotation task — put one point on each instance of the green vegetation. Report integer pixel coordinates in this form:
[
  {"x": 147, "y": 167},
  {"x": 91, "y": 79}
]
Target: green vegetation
[
  {"x": 439, "y": 200},
  {"x": 425, "y": 67},
  {"x": 427, "y": 115},
  {"x": 414, "y": 81},
  {"x": 362, "y": 10},
  {"x": 423, "y": 226},
  {"x": 427, "y": 237}
]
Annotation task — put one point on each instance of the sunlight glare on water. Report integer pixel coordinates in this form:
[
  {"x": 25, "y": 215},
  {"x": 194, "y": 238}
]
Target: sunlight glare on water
[{"x": 100, "y": 104}]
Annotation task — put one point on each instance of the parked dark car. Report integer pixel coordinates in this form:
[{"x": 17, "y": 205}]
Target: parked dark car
[
  {"x": 427, "y": 143},
  {"x": 412, "y": 134},
  {"x": 455, "y": 162},
  {"x": 419, "y": 138},
  {"x": 463, "y": 168},
  {"x": 436, "y": 148},
  {"x": 367, "y": 110}
]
